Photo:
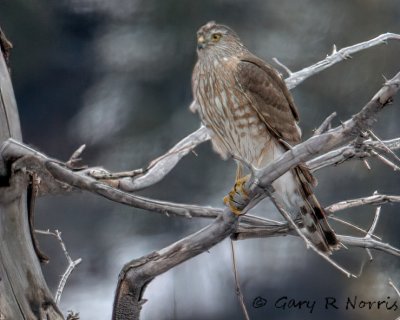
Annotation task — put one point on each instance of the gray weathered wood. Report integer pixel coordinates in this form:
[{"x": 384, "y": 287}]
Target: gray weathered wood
[{"x": 23, "y": 291}]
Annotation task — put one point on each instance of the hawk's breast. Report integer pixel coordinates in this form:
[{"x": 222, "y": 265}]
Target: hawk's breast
[{"x": 227, "y": 111}]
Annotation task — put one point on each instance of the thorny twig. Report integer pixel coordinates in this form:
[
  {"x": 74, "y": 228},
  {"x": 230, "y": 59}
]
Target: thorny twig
[
  {"x": 337, "y": 56},
  {"x": 71, "y": 263}
]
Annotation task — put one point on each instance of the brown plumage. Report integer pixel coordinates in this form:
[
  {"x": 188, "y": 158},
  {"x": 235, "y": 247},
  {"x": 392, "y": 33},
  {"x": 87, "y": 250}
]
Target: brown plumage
[{"x": 251, "y": 115}]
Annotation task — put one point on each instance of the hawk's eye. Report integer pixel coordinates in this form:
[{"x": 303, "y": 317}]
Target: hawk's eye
[{"x": 216, "y": 36}]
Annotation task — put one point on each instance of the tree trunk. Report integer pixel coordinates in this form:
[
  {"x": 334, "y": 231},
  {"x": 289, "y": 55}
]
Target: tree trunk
[{"x": 23, "y": 291}]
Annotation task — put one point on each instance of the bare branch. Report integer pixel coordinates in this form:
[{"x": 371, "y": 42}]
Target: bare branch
[
  {"x": 394, "y": 287},
  {"x": 386, "y": 161},
  {"x": 376, "y": 199},
  {"x": 288, "y": 71},
  {"x": 335, "y": 57},
  {"x": 369, "y": 243},
  {"x": 350, "y": 151},
  {"x": 334, "y": 218},
  {"x": 383, "y": 145},
  {"x": 136, "y": 274},
  {"x": 71, "y": 263},
  {"x": 374, "y": 223},
  {"x": 159, "y": 167}
]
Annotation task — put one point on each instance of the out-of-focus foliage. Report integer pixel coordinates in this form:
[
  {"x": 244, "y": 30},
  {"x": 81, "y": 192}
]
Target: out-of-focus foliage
[{"x": 116, "y": 76}]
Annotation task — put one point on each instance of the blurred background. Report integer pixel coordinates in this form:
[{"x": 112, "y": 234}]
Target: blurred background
[{"x": 116, "y": 75}]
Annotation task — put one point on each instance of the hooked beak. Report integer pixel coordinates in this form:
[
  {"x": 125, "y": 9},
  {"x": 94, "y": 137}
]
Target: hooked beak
[{"x": 201, "y": 43}]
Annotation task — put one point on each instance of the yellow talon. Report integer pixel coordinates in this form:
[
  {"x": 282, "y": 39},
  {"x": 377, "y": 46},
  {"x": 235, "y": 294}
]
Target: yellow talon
[{"x": 238, "y": 189}]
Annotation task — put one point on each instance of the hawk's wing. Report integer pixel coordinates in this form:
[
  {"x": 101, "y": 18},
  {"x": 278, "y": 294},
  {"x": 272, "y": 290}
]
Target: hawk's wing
[
  {"x": 272, "y": 101},
  {"x": 270, "y": 98}
]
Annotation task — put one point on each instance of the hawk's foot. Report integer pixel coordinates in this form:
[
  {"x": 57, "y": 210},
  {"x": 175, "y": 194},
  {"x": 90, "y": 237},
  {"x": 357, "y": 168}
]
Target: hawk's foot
[{"x": 237, "y": 198}]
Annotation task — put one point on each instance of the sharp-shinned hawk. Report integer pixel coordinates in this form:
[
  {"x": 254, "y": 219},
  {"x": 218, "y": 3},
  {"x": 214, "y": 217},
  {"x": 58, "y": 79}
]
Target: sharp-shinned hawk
[{"x": 251, "y": 115}]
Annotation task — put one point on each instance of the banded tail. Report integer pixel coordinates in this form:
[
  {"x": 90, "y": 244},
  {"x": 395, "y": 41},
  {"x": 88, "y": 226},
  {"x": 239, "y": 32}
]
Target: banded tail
[{"x": 319, "y": 231}]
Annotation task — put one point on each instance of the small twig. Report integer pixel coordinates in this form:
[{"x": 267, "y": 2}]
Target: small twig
[
  {"x": 374, "y": 223},
  {"x": 64, "y": 279},
  {"x": 325, "y": 125},
  {"x": 71, "y": 263},
  {"x": 349, "y": 151},
  {"x": 351, "y": 225},
  {"x": 386, "y": 161},
  {"x": 371, "y": 230},
  {"x": 384, "y": 146},
  {"x": 394, "y": 287},
  {"x": 369, "y": 243},
  {"x": 362, "y": 267},
  {"x": 366, "y": 164},
  {"x": 71, "y": 315},
  {"x": 74, "y": 163},
  {"x": 284, "y": 67},
  {"x": 376, "y": 199},
  {"x": 237, "y": 283},
  {"x": 371, "y": 258}
]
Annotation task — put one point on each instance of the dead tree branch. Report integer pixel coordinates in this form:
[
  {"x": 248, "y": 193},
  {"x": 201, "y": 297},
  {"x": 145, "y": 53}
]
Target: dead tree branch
[
  {"x": 376, "y": 199},
  {"x": 137, "y": 274},
  {"x": 71, "y": 263},
  {"x": 337, "y": 56},
  {"x": 23, "y": 290}
]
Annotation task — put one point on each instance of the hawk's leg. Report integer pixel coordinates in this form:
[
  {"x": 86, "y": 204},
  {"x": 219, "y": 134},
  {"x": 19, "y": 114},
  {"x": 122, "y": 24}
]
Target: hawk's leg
[{"x": 236, "y": 198}]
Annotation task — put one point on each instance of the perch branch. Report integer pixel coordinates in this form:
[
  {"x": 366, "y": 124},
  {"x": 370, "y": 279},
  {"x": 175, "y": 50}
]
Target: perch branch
[{"x": 160, "y": 167}]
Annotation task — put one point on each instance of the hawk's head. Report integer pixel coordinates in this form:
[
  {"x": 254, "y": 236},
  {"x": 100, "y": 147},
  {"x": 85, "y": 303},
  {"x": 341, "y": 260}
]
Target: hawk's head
[{"x": 217, "y": 38}]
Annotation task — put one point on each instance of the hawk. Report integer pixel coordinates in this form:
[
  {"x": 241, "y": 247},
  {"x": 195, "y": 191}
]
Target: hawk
[{"x": 251, "y": 116}]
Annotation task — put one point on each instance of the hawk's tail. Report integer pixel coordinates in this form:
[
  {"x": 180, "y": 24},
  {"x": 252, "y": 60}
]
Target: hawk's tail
[{"x": 314, "y": 217}]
